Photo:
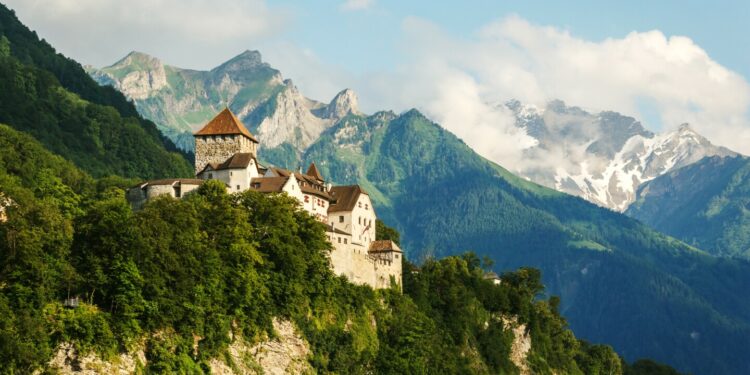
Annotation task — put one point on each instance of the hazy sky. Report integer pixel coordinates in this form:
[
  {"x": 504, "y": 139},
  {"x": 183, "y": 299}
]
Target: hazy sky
[{"x": 665, "y": 62}]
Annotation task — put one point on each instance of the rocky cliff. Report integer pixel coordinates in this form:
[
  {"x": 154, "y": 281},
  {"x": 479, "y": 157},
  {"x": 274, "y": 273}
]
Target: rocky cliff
[{"x": 602, "y": 157}]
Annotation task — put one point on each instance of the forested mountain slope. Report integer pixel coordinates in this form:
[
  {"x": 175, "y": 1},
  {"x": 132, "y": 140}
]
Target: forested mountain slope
[
  {"x": 706, "y": 204},
  {"x": 52, "y": 98}
]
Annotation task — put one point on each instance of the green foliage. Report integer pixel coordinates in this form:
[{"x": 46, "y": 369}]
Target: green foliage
[
  {"x": 704, "y": 204},
  {"x": 385, "y": 232},
  {"x": 52, "y": 98}
]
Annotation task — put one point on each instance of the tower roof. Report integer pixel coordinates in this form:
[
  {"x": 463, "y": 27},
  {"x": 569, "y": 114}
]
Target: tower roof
[
  {"x": 314, "y": 172},
  {"x": 225, "y": 123}
]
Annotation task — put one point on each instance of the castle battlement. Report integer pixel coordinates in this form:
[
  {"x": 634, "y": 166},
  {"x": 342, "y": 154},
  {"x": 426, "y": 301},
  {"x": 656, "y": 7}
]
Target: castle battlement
[{"x": 226, "y": 151}]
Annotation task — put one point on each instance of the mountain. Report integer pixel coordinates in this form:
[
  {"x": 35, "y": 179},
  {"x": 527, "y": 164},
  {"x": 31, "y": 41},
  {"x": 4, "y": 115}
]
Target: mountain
[
  {"x": 620, "y": 282},
  {"x": 196, "y": 286},
  {"x": 704, "y": 204},
  {"x": 180, "y": 100},
  {"x": 602, "y": 157},
  {"x": 51, "y": 97},
  {"x": 610, "y": 271}
]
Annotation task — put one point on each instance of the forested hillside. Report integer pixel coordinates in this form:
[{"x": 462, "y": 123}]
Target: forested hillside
[
  {"x": 51, "y": 97},
  {"x": 213, "y": 264},
  {"x": 706, "y": 204},
  {"x": 679, "y": 304}
]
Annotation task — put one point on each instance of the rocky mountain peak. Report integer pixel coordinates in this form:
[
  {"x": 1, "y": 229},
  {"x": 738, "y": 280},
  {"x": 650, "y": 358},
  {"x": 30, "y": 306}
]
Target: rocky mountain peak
[
  {"x": 139, "y": 60},
  {"x": 247, "y": 60},
  {"x": 344, "y": 103},
  {"x": 137, "y": 75}
]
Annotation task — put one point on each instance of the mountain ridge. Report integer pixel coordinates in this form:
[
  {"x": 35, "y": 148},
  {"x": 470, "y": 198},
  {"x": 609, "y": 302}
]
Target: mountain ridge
[{"x": 607, "y": 155}]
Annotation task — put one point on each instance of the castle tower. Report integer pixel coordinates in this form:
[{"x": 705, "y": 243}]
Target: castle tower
[{"x": 221, "y": 138}]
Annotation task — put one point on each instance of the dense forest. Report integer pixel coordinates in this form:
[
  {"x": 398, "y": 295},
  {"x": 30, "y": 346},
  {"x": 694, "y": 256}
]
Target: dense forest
[
  {"x": 52, "y": 98},
  {"x": 704, "y": 204},
  {"x": 213, "y": 263}
]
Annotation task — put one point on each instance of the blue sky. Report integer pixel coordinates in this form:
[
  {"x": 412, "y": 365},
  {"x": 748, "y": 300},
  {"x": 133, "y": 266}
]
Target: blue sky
[
  {"x": 662, "y": 62},
  {"x": 370, "y": 36}
]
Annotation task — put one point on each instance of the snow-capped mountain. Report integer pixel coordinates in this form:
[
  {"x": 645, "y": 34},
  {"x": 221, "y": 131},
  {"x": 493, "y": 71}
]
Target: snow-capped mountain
[{"x": 602, "y": 157}]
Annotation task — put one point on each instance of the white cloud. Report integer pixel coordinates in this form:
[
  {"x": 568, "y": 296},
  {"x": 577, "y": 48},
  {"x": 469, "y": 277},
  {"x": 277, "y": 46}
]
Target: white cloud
[
  {"x": 453, "y": 79},
  {"x": 200, "y": 31},
  {"x": 352, "y": 5},
  {"x": 314, "y": 78}
]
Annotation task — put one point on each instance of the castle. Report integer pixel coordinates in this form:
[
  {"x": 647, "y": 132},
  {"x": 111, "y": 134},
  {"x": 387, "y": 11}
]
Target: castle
[{"x": 226, "y": 151}]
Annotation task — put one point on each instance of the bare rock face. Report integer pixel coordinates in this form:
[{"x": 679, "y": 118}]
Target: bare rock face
[
  {"x": 519, "y": 349},
  {"x": 343, "y": 104},
  {"x": 291, "y": 120},
  {"x": 286, "y": 354},
  {"x": 67, "y": 361},
  {"x": 141, "y": 83}
]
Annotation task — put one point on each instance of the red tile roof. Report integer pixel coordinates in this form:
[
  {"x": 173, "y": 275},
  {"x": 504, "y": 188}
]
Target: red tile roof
[
  {"x": 268, "y": 184},
  {"x": 225, "y": 123},
  {"x": 314, "y": 172},
  {"x": 384, "y": 246}
]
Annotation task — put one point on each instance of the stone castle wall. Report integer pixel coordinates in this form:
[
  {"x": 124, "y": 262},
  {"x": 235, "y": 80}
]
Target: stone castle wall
[
  {"x": 354, "y": 262},
  {"x": 219, "y": 148}
]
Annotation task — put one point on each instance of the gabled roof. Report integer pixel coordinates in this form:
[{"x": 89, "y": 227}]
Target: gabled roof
[
  {"x": 384, "y": 246},
  {"x": 320, "y": 193},
  {"x": 300, "y": 177},
  {"x": 238, "y": 160},
  {"x": 346, "y": 197},
  {"x": 268, "y": 184},
  {"x": 225, "y": 123},
  {"x": 314, "y": 172}
]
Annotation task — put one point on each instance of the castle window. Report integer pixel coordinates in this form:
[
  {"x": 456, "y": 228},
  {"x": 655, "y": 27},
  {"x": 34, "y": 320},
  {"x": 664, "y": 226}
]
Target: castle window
[
  {"x": 366, "y": 206},
  {"x": 360, "y": 220},
  {"x": 396, "y": 256},
  {"x": 341, "y": 219},
  {"x": 210, "y": 176},
  {"x": 238, "y": 187},
  {"x": 231, "y": 173},
  {"x": 344, "y": 241},
  {"x": 339, "y": 239},
  {"x": 307, "y": 198},
  {"x": 359, "y": 204}
]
